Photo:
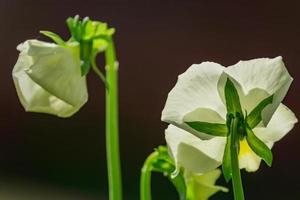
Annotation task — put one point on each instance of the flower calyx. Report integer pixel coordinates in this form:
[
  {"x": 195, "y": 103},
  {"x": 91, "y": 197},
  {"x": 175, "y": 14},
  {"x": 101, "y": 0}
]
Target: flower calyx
[
  {"x": 92, "y": 37},
  {"x": 243, "y": 128}
]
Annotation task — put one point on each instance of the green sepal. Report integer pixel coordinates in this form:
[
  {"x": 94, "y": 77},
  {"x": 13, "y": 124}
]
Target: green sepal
[
  {"x": 233, "y": 104},
  {"x": 214, "y": 129},
  {"x": 92, "y": 37},
  {"x": 86, "y": 29},
  {"x": 259, "y": 147},
  {"x": 226, "y": 164},
  {"x": 163, "y": 162},
  {"x": 255, "y": 115},
  {"x": 56, "y": 38},
  {"x": 85, "y": 55},
  {"x": 73, "y": 25}
]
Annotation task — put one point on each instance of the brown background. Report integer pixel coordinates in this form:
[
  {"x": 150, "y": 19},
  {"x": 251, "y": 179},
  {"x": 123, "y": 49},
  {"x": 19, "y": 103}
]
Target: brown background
[{"x": 156, "y": 41}]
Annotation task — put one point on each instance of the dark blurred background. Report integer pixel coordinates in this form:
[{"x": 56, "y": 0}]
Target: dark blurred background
[{"x": 156, "y": 40}]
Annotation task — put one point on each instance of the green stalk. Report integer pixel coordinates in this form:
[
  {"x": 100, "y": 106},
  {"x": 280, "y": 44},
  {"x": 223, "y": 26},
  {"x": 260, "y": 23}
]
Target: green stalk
[
  {"x": 180, "y": 186},
  {"x": 145, "y": 184},
  {"x": 98, "y": 72},
  {"x": 112, "y": 124},
  {"x": 145, "y": 180},
  {"x": 236, "y": 175}
]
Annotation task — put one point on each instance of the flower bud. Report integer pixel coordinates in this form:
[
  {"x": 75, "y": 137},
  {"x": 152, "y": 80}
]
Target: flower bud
[{"x": 48, "y": 78}]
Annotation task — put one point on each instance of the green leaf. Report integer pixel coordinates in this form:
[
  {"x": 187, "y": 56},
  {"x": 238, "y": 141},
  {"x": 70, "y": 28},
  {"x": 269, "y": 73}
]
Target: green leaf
[
  {"x": 214, "y": 129},
  {"x": 56, "y": 38},
  {"x": 232, "y": 98},
  {"x": 259, "y": 147},
  {"x": 255, "y": 116},
  {"x": 226, "y": 164}
]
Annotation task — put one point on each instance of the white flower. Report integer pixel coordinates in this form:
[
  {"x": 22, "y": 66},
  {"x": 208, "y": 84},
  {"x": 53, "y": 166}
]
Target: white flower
[
  {"x": 48, "y": 78},
  {"x": 199, "y": 96}
]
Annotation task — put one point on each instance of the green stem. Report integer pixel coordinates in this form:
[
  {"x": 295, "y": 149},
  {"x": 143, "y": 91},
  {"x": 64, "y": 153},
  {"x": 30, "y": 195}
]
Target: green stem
[
  {"x": 236, "y": 175},
  {"x": 180, "y": 186},
  {"x": 98, "y": 72},
  {"x": 112, "y": 125},
  {"x": 145, "y": 184}
]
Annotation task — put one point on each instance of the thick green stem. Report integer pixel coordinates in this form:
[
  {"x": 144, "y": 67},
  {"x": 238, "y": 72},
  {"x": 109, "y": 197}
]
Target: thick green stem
[
  {"x": 112, "y": 124},
  {"x": 236, "y": 175},
  {"x": 145, "y": 184}
]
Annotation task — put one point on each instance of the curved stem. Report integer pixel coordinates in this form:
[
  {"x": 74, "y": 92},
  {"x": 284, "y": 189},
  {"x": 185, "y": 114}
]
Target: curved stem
[
  {"x": 145, "y": 184},
  {"x": 98, "y": 72},
  {"x": 180, "y": 186},
  {"x": 236, "y": 175},
  {"x": 112, "y": 124}
]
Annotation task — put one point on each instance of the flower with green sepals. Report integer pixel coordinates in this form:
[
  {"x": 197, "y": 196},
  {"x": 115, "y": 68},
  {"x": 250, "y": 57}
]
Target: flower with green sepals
[
  {"x": 51, "y": 77},
  {"x": 210, "y": 102}
]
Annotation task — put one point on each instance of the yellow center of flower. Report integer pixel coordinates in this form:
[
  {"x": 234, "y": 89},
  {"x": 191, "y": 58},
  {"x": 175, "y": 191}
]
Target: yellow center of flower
[{"x": 244, "y": 148}]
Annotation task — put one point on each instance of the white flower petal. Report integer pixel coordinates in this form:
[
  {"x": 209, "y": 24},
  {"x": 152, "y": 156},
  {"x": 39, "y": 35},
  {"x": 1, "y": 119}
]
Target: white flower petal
[
  {"x": 192, "y": 153},
  {"x": 258, "y": 79},
  {"x": 48, "y": 78},
  {"x": 249, "y": 161},
  {"x": 280, "y": 124},
  {"x": 195, "y": 97}
]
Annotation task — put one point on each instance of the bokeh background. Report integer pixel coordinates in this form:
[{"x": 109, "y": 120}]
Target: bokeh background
[{"x": 44, "y": 157}]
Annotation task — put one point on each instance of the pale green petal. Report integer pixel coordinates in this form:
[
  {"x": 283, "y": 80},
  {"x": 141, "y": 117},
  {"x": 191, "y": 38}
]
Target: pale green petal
[
  {"x": 192, "y": 153},
  {"x": 280, "y": 124},
  {"x": 48, "y": 78},
  {"x": 202, "y": 187},
  {"x": 259, "y": 78},
  {"x": 195, "y": 97}
]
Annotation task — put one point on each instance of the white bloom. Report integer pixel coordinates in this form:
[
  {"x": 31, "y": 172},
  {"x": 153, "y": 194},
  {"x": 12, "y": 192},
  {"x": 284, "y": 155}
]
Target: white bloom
[
  {"x": 48, "y": 78},
  {"x": 199, "y": 96}
]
